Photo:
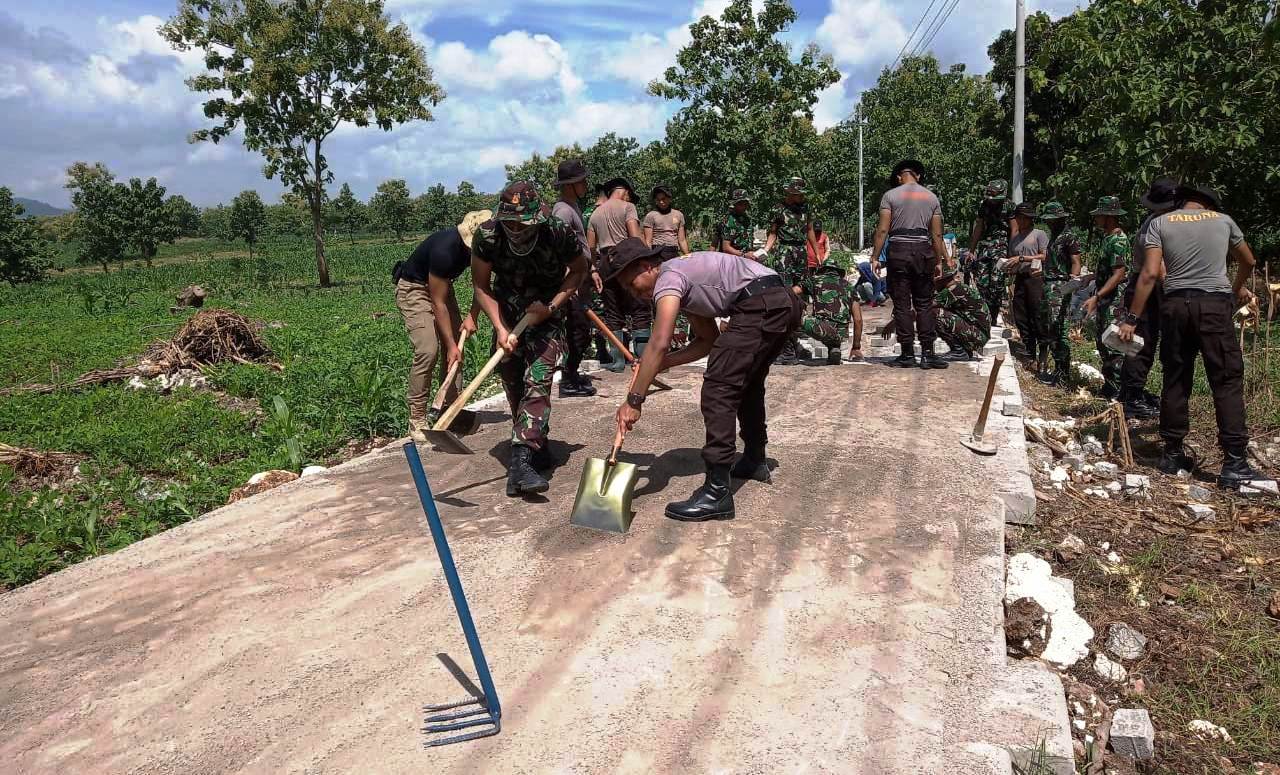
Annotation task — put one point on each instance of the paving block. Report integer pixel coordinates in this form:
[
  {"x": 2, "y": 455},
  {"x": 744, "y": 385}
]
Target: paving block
[
  {"x": 1260, "y": 487},
  {"x": 1201, "y": 512},
  {"x": 1012, "y": 407},
  {"x": 1132, "y": 734},
  {"x": 995, "y": 347}
]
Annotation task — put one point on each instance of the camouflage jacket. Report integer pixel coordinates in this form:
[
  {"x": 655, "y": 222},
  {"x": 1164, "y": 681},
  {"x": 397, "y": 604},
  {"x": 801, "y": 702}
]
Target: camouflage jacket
[
  {"x": 791, "y": 223},
  {"x": 737, "y": 230},
  {"x": 1113, "y": 254},
  {"x": 521, "y": 280},
  {"x": 965, "y": 302},
  {"x": 1057, "y": 265},
  {"x": 832, "y": 295}
]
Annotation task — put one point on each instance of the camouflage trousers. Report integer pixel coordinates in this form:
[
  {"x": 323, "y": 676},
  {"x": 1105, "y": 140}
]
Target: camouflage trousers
[
  {"x": 526, "y": 379},
  {"x": 830, "y": 332},
  {"x": 1112, "y": 361},
  {"x": 960, "y": 334},
  {"x": 1054, "y": 312},
  {"x": 791, "y": 264}
]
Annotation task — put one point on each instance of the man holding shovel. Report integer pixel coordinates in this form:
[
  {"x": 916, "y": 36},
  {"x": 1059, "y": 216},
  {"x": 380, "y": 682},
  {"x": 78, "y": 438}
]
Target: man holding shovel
[
  {"x": 763, "y": 315},
  {"x": 539, "y": 263}
]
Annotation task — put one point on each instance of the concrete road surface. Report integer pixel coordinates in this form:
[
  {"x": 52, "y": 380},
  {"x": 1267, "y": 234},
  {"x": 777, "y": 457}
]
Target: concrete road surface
[{"x": 847, "y": 621}]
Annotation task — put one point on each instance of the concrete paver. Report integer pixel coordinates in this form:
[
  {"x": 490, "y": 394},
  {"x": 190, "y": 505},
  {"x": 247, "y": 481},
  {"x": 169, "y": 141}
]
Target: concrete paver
[{"x": 847, "y": 621}]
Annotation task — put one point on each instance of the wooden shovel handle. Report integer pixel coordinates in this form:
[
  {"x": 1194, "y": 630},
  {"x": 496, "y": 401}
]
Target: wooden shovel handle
[
  {"x": 619, "y": 436},
  {"x": 447, "y": 418},
  {"x": 453, "y": 372},
  {"x": 613, "y": 340}
]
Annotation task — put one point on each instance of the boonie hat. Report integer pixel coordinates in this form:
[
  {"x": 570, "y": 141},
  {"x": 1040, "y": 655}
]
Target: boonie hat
[
  {"x": 520, "y": 201},
  {"x": 1162, "y": 193},
  {"x": 1054, "y": 211},
  {"x": 1024, "y": 209},
  {"x": 830, "y": 266},
  {"x": 470, "y": 222},
  {"x": 739, "y": 195},
  {"x": 1203, "y": 194},
  {"x": 612, "y": 183},
  {"x": 795, "y": 185},
  {"x": 1108, "y": 205},
  {"x": 625, "y": 252},
  {"x": 660, "y": 189},
  {"x": 996, "y": 189},
  {"x": 570, "y": 171},
  {"x": 913, "y": 165}
]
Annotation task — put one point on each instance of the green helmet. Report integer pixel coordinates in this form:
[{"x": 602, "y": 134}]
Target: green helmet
[{"x": 996, "y": 189}]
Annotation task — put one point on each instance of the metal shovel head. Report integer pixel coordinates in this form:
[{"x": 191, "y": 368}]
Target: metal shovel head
[
  {"x": 978, "y": 445},
  {"x": 446, "y": 441},
  {"x": 604, "y": 496},
  {"x": 465, "y": 423}
]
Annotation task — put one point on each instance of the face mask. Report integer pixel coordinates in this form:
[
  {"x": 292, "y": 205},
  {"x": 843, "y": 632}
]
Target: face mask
[
  {"x": 664, "y": 209},
  {"x": 522, "y": 241}
]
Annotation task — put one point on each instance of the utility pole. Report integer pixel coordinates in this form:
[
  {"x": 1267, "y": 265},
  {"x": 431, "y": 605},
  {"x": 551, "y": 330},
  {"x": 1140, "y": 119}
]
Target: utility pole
[
  {"x": 1019, "y": 98},
  {"x": 862, "y": 210}
]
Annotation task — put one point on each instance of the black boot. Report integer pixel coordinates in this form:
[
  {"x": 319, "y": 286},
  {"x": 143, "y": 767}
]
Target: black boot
[
  {"x": 1174, "y": 459},
  {"x": 931, "y": 360},
  {"x": 713, "y": 500},
  {"x": 959, "y": 355},
  {"x": 522, "y": 478},
  {"x": 1236, "y": 470},
  {"x": 907, "y": 360},
  {"x": 833, "y": 356},
  {"x": 788, "y": 355},
  {"x": 576, "y": 386},
  {"x": 752, "y": 465},
  {"x": 1138, "y": 408}
]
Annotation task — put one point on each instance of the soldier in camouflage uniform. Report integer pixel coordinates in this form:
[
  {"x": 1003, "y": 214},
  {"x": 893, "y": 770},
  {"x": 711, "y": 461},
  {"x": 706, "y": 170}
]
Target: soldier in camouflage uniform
[
  {"x": 1061, "y": 265},
  {"x": 539, "y": 263},
  {"x": 834, "y": 302},
  {"x": 735, "y": 232},
  {"x": 989, "y": 244},
  {"x": 1110, "y": 275},
  {"x": 791, "y": 230},
  {"x": 963, "y": 322}
]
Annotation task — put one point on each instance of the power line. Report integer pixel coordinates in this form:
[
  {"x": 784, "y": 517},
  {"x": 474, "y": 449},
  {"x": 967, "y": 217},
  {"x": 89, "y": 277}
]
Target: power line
[
  {"x": 930, "y": 34},
  {"x": 916, "y": 29}
]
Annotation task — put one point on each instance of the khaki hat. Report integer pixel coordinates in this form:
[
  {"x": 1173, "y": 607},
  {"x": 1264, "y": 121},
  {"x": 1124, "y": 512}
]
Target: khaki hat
[{"x": 470, "y": 222}]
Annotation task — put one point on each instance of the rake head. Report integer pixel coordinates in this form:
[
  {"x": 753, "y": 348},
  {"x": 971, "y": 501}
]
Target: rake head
[{"x": 473, "y": 714}]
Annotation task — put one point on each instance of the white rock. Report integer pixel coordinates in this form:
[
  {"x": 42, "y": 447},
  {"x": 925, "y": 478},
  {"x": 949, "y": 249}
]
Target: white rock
[
  {"x": 1201, "y": 512},
  {"x": 1260, "y": 487},
  {"x": 1207, "y": 730},
  {"x": 1113, "y": 558},
  {"x": 1012, "y": 407},
  {"x": 1137, "y": 482},
  {"x": 1114, "y": 486},
  {"x": 1098, "y": 492},
  {"x": 1086, "y": 373},
  {"x": 313, "y": 470},
  {"x": 1059, "y": 474},
  {"x": 1075, "y": 462},
  {"x": 1094, "y": 447},
  {"x": 258, "y": 477},
  {"x": 1199, "y": 493},
  {"x": 1030, "y": 576},
  {"x": 1112, "y": 671},
  {"x": 1105, "y": 468},
  {"x": 1132, "y": 734},
  {"x": 1124, "y": 641}
]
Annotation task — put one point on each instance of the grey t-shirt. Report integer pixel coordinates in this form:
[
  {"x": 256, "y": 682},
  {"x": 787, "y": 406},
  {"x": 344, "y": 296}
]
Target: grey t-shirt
[
  {"x": 572, "y": 216},
  {"x": 609, "y": 222},
  {"x": 913, "y": 207},
  {"x": 1195, "y": 245},
  {"x": 707, "y": 282},
  {"x": 1031, "y": 243},
  {"x": 666, "y": 228}
]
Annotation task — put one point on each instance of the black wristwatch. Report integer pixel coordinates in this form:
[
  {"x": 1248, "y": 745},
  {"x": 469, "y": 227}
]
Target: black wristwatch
[
  {"x": 1130, "y": 319},
  {"x": 635, "y": 400}
]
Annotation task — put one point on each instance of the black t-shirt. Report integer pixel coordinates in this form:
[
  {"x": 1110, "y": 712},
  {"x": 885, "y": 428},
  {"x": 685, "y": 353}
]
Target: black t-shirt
[{"x": 442, "y": 254}]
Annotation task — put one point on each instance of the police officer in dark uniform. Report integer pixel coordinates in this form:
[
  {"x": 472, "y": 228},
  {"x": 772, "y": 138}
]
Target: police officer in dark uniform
[{"x": 1187, "y": 248}]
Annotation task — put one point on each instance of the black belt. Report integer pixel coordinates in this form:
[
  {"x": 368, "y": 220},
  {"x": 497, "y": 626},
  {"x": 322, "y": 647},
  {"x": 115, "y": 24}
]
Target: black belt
[
  {"x": 909, "y": 233},
  {"x": 758, "y": 286},
  {"x": 1196, "y": 293}
]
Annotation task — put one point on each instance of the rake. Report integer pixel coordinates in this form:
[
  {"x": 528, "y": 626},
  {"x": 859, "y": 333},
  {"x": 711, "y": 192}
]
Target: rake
[{"x": 482, "y": 715}]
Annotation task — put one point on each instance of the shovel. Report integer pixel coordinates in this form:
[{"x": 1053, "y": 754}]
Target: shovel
[
  {"x": 620, "y": 347},
  {"x": 467, "y": 421},
  {"x": 441, "y": 436},
  {"x": 604, "y": 494}
]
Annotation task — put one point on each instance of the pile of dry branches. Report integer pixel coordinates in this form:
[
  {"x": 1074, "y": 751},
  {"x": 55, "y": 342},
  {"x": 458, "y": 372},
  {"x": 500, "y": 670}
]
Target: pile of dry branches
[{"x": 33, "y": 464}]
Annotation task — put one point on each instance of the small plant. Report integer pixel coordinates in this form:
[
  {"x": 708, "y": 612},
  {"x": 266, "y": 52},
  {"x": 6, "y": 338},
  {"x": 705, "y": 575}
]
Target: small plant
[
  {"x": 286, "y": 430},
  {"x": 373, "y": 389}
]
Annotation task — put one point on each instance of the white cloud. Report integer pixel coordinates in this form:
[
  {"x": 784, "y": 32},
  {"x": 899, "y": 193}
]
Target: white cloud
[
  {"x": 648, "y": 55},
  {"x": 833, "y": 105},
  {"x": 513, "y": 58},
  {"x": 859, "y": 32},
  {"x": 587, "y": 121}
]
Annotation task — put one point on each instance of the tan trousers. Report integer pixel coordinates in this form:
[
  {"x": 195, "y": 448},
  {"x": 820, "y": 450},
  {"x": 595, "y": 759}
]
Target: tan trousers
[{"x": 414, "y": 303}]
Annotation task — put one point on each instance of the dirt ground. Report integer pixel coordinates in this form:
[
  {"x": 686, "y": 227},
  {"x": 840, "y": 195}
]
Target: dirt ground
[{"x": 848, "y": 620}]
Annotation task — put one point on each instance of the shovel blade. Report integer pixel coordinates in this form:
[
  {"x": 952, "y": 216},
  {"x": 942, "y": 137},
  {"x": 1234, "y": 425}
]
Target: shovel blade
[
  {"x": 465, "y": 423},
  {"x": 445, "y": 441},
  {"x": 604, "y": 496},
  {"x": 978, "y": 445}
]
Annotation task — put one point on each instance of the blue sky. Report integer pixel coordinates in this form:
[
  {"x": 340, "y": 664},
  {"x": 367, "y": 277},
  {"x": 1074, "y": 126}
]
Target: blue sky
[{"x": 93, "y": 81}]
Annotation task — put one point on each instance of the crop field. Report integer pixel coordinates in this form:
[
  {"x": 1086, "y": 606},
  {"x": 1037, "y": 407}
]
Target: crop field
[{"x": 145, "y": 461}]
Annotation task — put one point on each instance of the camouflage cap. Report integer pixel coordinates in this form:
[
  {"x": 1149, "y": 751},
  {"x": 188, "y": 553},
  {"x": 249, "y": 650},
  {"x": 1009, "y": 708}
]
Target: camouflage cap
[
  {"x": 948, "y": 272},
  {"x": 1054, "y": 211},
  {"x": 795, "y": 185},
  {"x": 739, "y": 195},
  {"x": 1108, "y": 205},
  {"x": 830, "y": 266},
  {"x": 520, "y": 201},
  {"x": 996, "y": 189}
]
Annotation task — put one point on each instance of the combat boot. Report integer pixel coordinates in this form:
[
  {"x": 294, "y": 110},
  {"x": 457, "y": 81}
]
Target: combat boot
[
  {"x": 713, "y": 500},
  {"x": 576, "y": 386},
  {"x": 418, "y": 426},
  {"x": 833, "y": 356},
  {"x": 752, "y": 465},
  {"x": 1174, "y": 459},
  {"x": 931, "y": 360},
  {"x": 958, "y": 354},
  {"x": 1236, "y": 470},
  {"x": 907, "y": 360},
  {"x": 522, "y": 478},
  {"x": 1137, "y": 408}
]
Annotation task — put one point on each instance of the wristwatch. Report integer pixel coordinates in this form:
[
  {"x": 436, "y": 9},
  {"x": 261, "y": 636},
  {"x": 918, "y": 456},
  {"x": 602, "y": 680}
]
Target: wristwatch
[
  {"x": 635, "y": 400},
  {"x": 1130, "y": 319}
]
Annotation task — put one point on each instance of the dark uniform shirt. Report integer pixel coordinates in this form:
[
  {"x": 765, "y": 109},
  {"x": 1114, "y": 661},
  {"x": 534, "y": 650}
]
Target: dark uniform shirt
[
  {"x": 737, "y": 230},
  {"x": 442, "y": 254},
  {"x": 537, "y": 276}
]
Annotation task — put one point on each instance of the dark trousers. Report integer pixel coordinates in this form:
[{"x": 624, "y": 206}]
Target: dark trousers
[
  {"x": 911, "y": 266},
  {"x": 1028, "y": 296},
  {"x": 733, "y": 388},
  {"x": 1192, "y": 325},
  {"x": 619, "y": 309},
  {"x": 578, "y": 330},
  {"x": 1133, "y": 374}
]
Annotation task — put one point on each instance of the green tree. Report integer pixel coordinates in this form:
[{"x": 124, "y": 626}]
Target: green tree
[
  {"x": 348, "y": 212},
  {"x": 99, "y": 226},
  {"x": 291, "y": 71},
  {"x": 747, "y": 105},
  {"x": 247, "y": 219},
  {"x": 434, "y": 210},
  {"x": 215, "y": 222},
  {"x": 185, "y": 215},
  {"x": 290, "y": 217},
  {"x": 392, "y": 208},
  {"x": 467, "y": 199},
  {"x": 916, "y": 111},
  {"x": 25, "y": 253},
  {"x": 146, "y": 221}
]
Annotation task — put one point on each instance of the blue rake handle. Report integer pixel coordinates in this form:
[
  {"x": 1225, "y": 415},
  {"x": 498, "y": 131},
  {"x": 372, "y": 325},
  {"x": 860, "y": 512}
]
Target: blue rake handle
[{"x": 488, "y": 705}]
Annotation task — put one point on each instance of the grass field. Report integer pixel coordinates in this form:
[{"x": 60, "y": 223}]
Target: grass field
[{"x": 149, "y": 461}]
